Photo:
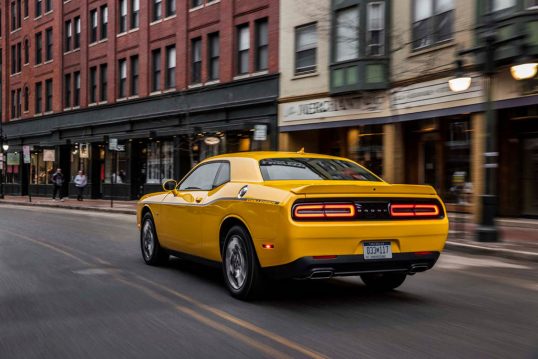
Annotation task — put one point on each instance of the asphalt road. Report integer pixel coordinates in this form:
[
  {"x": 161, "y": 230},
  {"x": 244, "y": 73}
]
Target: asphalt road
[{"x": 73, "y": 285}]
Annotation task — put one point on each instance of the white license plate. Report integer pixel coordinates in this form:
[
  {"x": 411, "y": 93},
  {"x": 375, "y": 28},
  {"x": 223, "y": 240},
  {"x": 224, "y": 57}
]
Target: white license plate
[{"x": 377, "y": 250}]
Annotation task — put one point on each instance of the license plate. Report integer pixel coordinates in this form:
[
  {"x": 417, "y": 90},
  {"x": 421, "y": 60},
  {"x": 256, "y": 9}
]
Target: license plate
[{"x": 377, "y": 250}]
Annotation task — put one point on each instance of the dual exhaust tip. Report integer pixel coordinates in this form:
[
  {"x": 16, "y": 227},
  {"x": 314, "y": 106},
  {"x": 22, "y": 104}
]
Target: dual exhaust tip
[{"x": 327, "y": 274}]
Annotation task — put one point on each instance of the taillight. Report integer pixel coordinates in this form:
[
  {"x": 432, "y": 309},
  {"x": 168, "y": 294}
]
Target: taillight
[
  {"x": 414, "y": 210},
  {"x": 324, "y": 210}
]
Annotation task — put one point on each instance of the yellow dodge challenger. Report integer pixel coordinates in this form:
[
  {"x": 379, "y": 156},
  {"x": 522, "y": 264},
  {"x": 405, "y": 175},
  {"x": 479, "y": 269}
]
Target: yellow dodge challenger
[{"x": 293, "y": 215}]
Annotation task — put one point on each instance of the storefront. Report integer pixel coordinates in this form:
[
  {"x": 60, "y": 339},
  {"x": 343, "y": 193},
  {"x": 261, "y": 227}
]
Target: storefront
[{"x": 152, "y": 140}]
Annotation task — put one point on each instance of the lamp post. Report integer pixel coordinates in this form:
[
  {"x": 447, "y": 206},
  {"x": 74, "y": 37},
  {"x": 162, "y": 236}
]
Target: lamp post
[{"x": 524, "y": 69}]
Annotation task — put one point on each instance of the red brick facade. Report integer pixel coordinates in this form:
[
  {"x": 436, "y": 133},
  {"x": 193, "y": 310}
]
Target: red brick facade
[{"x": 221, "y": 16}]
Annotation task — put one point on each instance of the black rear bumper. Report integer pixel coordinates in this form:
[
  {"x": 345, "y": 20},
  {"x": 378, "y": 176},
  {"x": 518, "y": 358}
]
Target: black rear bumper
[{"x": 349, "y": 265}]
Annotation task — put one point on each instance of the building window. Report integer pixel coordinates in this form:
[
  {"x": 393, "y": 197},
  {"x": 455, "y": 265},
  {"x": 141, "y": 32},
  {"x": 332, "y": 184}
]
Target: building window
[
  {"x": 196, "y": 3},
  {"x": 48, "y": 5},
  {"x": 104, "y": 22},
  {"x": 13, "y": 104},
  {"x": 16, "y": 15},
  {"x": 19, "y": 103},
  {"x": 214, "y": 54},
  {"x": 375, "y": 35},
  {"x": 26, "y": 99},
  {"x": 93, "y": 85},
  {"x": 68, "y": 35},
  {"x": 38, "y": 8},
  {"x": 19, "y": 57},
  {"x": 135, "y": 13},
  {"x": 26, "y": 51},
  {"x": 76, "y": 42},
  {"x": 243, "y": 47},
  {"x": 76, "y": 93},
  {"x": 432, "y": 22},
  {"x": 306, "y": 42},
  {"x": 67, "y": 91},
  {"x": 14, "y": 59},
  {"x": 26, "y": 8},
  {"x": 499, "y": 5},
  {"x": 196, "y": 57},
  {"x": 103, "y": 82},
  {"x": 123, "y": 16},
  {"x": 347, "y": 34},
  {"x": 48, "y": 95},
  {"x": 156, "y": 70},
  {"x": 157, "y": 13},
  {"x": 93, "y": 26},
  {"x": 170, "y": 7},
  {"x": 134, "y": 75},
  {"x": 262, "y": 45},
  {"x": 48, "y": 44},
  {"x": 170, "y": 80},
  {"x": 122, "y": 78},
  {"x": 38, "y": 97},
  {"x": 160, "y": 161},
  {"x": 38, "y": 48}
]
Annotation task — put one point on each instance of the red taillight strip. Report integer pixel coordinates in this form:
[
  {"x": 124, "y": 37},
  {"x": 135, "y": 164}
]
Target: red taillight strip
[
  {"x": 414, "y": 210},
  {"x": 307, "y": 211}
]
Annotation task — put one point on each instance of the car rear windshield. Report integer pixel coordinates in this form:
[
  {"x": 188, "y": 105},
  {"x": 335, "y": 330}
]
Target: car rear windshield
[{"x": 313, "y": 169}]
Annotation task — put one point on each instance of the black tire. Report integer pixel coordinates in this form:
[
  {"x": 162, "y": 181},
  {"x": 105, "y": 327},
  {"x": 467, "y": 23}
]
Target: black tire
[
  {"x": 383, "y": 281},
  {"x": 239, "y": 256},
  {"x": 153, "y": 255}
]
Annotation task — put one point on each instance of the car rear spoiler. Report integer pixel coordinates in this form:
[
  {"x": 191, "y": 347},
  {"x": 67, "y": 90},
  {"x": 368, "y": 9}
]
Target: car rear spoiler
[{"x": 382, "y": 188}]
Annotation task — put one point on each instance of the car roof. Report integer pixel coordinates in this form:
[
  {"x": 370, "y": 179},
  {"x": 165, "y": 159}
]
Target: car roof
[{"x": 260, "y": 155}]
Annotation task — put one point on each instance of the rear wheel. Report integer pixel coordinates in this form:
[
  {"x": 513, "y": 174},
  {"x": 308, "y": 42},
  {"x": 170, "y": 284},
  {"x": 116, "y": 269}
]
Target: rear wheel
[
  {"x": 152, "y": 252},
  {"x": 240, "y": 265},
  {"x": 383, "y": 281}
]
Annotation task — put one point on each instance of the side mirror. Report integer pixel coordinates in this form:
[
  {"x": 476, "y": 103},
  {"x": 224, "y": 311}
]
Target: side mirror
[{"x": 169, "y": 185}]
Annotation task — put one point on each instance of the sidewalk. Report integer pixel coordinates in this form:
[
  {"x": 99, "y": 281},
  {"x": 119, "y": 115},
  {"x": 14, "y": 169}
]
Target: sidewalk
[
  {"x": 98, "y": 205},
  {"x": 519, "y": 236}
]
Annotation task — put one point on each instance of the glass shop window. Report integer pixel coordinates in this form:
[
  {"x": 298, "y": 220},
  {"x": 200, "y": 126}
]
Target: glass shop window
[
  {"x": 160, "y": 161},
  {"x": 40, "y": 170},
  {"x": 366, "y": 147},
  {"x": 117, "y": 167}
]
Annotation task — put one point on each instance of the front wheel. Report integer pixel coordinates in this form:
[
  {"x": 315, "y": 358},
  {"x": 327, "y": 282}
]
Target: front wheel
[
  {"x": 152, "y": 252},
  {"x": 383, "y": 281},
  {"x": 240, "y": 265}
]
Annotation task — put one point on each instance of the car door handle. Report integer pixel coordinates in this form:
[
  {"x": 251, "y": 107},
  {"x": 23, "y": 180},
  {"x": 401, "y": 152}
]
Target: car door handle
[{"x": 199, "y": 199}]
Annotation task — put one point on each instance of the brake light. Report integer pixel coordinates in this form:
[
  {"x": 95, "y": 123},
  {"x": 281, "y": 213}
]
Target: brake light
[
  {"x": 414, "y": 210},
  {"x": 324, "y": 210}
]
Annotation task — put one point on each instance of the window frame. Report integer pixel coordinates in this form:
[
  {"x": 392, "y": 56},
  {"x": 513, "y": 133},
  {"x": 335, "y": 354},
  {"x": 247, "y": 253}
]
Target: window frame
[
  {"x": 49, "y": 45},
  {"x": 191, "y": 172},
  {"x": 213, "y": 56},
  {"x": 103, "y": 25},
  {"x": 432, "y": 21},
  {"x": 261, "y": 47},
  {"x": 122, "y": 80},
  {"x": 156, "y": 69},
  {"x": 196, "y": 64},
  {"x": 49, "y": 91},
  {"x": 170, "y": 72},
  {"x": 309, "y": 69},
  {"x": 93, "y": 26},
  {"x": 239, "y": 51}
]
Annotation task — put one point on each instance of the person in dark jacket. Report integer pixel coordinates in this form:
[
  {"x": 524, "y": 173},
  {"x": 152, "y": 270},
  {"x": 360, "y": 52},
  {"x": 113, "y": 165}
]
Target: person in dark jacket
[{"x": 58, "y": 182}]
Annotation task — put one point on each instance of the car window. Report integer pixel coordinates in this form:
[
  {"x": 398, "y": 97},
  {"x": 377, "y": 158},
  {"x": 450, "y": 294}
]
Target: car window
[
  {"x": 223, "y": 175},
  {"x": 313, "y": 169},
  {"x": 202, "y": 178}
]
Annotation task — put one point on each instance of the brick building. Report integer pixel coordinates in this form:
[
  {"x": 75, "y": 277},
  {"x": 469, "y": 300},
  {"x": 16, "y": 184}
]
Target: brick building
[{"x": 174, "y": 81}]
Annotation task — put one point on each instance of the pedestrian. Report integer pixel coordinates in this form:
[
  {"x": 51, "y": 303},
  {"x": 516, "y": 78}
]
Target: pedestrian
[
  {"x": 80, "y": 182},
  {"x": 58, "y": 182}
]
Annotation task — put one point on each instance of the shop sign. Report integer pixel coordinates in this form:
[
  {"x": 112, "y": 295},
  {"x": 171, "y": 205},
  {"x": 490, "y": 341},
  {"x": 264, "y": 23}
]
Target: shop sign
[
  {"x": 49, "y": 155},
  {"x": 84, "y": 150},
  {"x": 13, "y": 159},
  {"x": 120, "y": 148},
  {"x": 332, "y": 106},
  {"x": 260, "y": 132},
  {"x": 113, "y": 144},
  {"x": 432, "y": 93},
  {"x": 26, "y": 154}
]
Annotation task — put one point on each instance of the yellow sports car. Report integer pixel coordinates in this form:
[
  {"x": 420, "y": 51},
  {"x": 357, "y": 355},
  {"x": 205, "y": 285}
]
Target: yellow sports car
[{"x": 293, "y": 215}]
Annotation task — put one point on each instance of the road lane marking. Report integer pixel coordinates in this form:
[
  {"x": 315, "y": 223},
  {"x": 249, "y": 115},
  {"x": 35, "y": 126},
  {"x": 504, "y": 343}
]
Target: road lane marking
[
  {"x": 267, "y": 350},
  {"x": 47, "y": 245},
  {"x": 247, "y": 325},
  {"x": 455, "y": 262},
  {"x": 242, "y": 323}
]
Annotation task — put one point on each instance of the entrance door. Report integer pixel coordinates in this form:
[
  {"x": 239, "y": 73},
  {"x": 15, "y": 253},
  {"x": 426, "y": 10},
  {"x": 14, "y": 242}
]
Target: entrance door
[
  {"x": 530, "y": 177},
  {"x": 430, "y": 169},
  {"x": 98, "y": 170}
]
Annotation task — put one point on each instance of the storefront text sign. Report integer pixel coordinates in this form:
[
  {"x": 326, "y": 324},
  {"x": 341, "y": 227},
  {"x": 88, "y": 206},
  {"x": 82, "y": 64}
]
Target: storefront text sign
[
  {"x": 84, "y": 153},
  {"x": 433, "y": 92},
  {"x": 332, "y": 106},
  {"x": 48, "y": 155},
  {"x": 260, "y": 132}
]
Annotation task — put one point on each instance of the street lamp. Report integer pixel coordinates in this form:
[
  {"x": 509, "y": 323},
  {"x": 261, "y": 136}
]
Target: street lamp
[{"x": 486, "y": 230}]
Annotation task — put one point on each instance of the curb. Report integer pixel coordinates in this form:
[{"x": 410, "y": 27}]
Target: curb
[
  {"x": 499, "y": 252},
  {"x": 77, "y": 208}
]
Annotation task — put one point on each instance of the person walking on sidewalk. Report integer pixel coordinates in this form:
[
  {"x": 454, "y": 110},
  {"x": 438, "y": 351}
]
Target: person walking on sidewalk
[
  {"x": 58, "y": 182},
  {"x": 80, "y": 182}
]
